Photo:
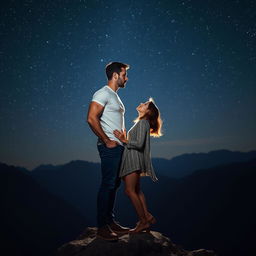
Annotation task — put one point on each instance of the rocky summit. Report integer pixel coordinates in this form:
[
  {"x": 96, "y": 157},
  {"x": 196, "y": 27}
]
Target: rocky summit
[{"x": 141, "y": 244}]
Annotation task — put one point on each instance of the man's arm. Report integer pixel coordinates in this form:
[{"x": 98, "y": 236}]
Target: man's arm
[{"x": 93, "y": 119}]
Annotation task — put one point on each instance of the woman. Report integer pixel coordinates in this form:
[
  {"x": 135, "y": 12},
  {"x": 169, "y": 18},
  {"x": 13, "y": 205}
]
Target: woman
[{"x": 136, "y": 159}]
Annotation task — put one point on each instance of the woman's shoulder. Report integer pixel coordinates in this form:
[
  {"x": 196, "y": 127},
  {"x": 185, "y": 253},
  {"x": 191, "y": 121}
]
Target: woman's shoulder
[{"x": 144, "y": 122}]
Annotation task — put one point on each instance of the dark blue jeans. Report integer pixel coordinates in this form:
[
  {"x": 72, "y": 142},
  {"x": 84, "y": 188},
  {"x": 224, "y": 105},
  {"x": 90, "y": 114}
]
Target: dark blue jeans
[{"x": 110, "y": 164}]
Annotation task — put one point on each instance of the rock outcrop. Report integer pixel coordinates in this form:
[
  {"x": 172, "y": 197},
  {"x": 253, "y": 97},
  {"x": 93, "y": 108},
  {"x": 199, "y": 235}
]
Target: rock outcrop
[{"x": 142, "y": 244}]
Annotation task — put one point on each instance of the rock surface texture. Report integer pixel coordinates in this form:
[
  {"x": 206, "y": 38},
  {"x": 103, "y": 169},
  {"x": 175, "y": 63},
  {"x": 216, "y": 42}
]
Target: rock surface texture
[{"x": 142, "y": 244}]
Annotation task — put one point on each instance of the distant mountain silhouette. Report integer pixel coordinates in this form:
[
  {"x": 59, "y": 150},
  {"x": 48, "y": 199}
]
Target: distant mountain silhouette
[
  {"x": 32, "y": 220},
  {"x": 209, "y": 208},
  {"x": 47, "y": 167},
  {"x": 185, "y": 164},
  {"x": 178, "y": 166},
  {"x": 76, "y": 181}
]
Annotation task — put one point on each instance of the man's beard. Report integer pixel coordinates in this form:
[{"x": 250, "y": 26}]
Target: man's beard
[{"x": 120, "y": 84}]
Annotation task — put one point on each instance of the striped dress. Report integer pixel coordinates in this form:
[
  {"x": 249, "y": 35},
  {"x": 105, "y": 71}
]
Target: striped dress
[{"x": 136, "y": 155}]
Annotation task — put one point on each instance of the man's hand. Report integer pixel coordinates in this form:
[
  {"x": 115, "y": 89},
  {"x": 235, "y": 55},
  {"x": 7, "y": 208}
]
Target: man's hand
[{"x": 111, "y": 143}]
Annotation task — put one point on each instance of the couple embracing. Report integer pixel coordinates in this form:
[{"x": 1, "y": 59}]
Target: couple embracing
[{"x": 125, "y": 157}]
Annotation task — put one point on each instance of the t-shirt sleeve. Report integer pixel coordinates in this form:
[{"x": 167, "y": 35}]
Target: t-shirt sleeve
[{"x": 100, "y": 97}]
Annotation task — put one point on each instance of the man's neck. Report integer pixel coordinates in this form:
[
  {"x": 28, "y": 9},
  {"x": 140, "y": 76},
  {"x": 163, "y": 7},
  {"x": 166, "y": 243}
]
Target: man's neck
[{"x": 113, "y": 86}]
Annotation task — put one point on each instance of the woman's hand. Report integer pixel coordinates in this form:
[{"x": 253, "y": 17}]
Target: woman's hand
[{"x": 121, "y": 135}]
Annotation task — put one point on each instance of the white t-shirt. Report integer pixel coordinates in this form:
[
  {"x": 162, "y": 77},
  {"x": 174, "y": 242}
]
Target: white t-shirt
[{"x": 112, "y": 117}]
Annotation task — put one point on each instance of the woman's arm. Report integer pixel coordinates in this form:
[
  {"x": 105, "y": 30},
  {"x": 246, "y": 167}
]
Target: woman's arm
[{"x": 142, "y": 127}]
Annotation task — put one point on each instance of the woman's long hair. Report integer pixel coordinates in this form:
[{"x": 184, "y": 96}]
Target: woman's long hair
[{"x": 154, "y": 118}]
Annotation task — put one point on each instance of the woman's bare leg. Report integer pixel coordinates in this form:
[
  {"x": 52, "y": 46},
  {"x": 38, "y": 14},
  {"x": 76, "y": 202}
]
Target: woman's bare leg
[
  {"x": 143, "y": 201},
  {"x": 131, "y": 181}
]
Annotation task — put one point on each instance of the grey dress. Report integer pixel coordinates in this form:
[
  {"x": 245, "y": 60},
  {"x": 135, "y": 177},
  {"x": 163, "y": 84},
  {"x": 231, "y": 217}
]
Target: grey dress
[{"x": 136, "y": 155}]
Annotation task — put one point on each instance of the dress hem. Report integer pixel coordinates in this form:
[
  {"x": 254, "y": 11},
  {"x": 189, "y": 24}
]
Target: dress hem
[{"x": 142, "y": 174}]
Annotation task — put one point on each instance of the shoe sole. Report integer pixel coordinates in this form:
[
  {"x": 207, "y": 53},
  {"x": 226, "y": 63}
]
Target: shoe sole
[
  {"x": 146, "y": 230},
  {"x": 121, "y": 232}
]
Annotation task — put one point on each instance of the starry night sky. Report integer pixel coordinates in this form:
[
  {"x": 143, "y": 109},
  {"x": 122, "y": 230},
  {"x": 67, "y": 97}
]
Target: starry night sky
[{"x": 197, "y": 59}]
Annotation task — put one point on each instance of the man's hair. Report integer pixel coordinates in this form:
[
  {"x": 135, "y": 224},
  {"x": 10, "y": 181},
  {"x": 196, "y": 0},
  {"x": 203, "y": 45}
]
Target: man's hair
[{"x": 115, "y": 67}]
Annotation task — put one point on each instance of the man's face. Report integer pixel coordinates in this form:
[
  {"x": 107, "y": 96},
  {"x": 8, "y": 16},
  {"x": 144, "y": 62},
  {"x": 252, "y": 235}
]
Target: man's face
[{"x": 122, "y": 78}]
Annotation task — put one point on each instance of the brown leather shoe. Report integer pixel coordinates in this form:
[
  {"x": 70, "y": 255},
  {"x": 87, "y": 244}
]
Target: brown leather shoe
[
  {"x": 118, "y": 229},
  {"x": 106, "y": 234}
]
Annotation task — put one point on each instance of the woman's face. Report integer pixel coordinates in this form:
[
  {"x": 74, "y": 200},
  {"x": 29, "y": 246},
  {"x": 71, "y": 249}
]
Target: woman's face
[{"x": 143, "y": 107}]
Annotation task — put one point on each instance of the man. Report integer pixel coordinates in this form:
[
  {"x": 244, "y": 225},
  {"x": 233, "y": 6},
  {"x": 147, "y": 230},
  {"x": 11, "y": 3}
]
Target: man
[{"x": 106, "y": 114}]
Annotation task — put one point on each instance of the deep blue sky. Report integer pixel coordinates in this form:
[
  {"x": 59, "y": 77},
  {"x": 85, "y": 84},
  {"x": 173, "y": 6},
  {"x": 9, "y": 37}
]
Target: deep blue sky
[{"x": 197, "y": 59}]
